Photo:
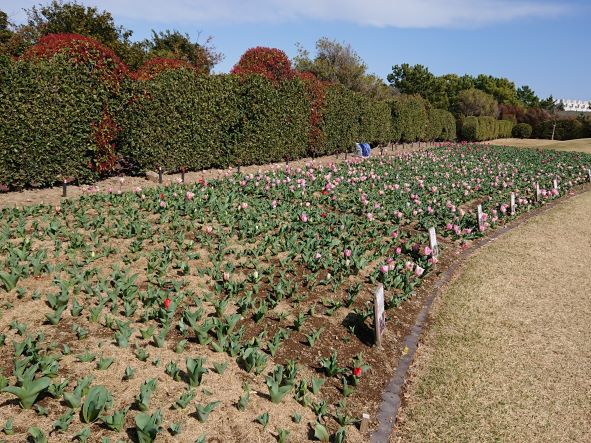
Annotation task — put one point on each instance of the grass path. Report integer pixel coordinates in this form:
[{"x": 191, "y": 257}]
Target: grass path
[{"x": 508, "y": 354}]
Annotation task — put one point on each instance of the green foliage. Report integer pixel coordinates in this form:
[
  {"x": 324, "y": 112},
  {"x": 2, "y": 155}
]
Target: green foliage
[
  {"x": 484, "y": 128},
  {"x": 522, "y": 130},
  {"x": 180, "y": 119},
  {"x": 202, "y": 411},
  {"x": 409, "y": 117},
  {"x": 504, "y": 129},
  {"x": 565, "y": 129},
  {"x": 441, "y": 125},
  {"x": 148, "y": 426},
  {"x": 51, "y": 109},
  {"x": 95, "y": 402},
  {"x": 375, "y": 122},
  {"x": 474, "y": 102},
  {"x": 340, "y": 123},
  {"x": 30, "y": 387}
]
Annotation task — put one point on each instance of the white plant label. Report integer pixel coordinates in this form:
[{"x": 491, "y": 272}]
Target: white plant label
[
  {"x": 555, "y": 183},
  {"x": 480, "y": 217},
  {"x": 537, "y": 192},
  {"x": 433, "y": 242},
  {"x": 513, "y": 203},
  {"x": 379, "y": 314},
  {"x": 589, "y": 172}
]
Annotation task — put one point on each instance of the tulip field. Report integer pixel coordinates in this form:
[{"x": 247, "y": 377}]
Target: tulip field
[{"x": 239, "y": 308}]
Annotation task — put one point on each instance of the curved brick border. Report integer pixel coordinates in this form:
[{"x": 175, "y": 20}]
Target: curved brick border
[{"x": 390, "y": 404}]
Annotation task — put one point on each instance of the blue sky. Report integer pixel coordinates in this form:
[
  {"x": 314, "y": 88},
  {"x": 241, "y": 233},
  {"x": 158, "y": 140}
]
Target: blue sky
[{"x": 544, "y": 44}]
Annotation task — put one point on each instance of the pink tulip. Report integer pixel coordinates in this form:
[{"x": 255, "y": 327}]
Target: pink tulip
[
  {"x": 419, "y": 271},
  {"x": 304, "y": 218},
  {"x": 348, "y": 253},
  {"x": 384, "y": 269},
  {"x": 427, "y": 250}
]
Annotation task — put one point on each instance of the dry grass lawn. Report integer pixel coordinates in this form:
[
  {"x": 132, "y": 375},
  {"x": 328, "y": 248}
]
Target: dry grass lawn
[
  {"x": 508, "y": 354},
  {"x": 581, "y": 144}
]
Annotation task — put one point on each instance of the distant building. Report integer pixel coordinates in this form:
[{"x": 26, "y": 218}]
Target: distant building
[{"x": 576, "y": 105}]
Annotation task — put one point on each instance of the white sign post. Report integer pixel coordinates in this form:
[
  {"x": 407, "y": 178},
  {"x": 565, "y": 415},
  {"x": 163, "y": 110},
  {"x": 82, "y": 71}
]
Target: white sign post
[
  {"x": 513, "y": 203},
  {"x": 555, "y": 183},
  {"x": 433, "y": 242},
  {"x": 480, "y": 218},
  {"x": 537, "y": 192},
  {"x": 379, "y": 314},
  {"x": 589, "y": 172}
]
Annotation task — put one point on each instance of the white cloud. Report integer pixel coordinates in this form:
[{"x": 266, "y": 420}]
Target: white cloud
[{"x": 380, "y": 13}]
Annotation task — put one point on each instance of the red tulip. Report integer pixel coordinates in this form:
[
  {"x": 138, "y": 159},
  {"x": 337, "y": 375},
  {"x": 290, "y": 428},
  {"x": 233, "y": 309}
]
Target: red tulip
[
  {"x": 357, "y": 372},
  {"x": 167, "y": 302},
  {"x": 323, "y": 215}
]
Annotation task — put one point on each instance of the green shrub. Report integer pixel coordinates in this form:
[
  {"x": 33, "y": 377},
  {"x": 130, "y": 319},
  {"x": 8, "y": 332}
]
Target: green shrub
[
  {"x": 180, "y": 119},
  {"x": 375, "y": 123},
  {"x": 274, "y": 121},
  {"x": 522, "y": 130},
  {"x": 441, "y": 125},
  {"x": 340, "y": 122},
  {"x": 567, "y": 129},
  {"x": 487, "y": 128},
  {"x": 448, "y": 131},
  {"x": 56, "y": 118},
  {"x": 409, "y": 118},
  {"x": 504, "y": 129},
  {"x": 469, "y": 128}
]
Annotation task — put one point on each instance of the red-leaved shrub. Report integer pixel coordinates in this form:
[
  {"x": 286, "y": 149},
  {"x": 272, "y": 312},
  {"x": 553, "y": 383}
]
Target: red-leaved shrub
[
  {"x": 271, "y": 63},
  {"x": 81, "y": 50}
]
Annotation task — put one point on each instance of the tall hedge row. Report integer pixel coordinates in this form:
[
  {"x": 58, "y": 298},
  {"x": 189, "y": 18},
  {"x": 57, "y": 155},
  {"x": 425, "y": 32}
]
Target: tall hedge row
[
  {"x": 484, "y": 128},
  {"x": 179, "y": 119},
  {"x": 409, "y": 118},
  {"x": 55, "y": 119},
  {"x": 72, "y": 110}
]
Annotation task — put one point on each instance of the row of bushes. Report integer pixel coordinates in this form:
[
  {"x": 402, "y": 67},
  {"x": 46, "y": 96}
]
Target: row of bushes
[
  {"x": 566, "y": 129},
  {"x": 485, "y": 128},
  {"x": 73, "y": 110}
]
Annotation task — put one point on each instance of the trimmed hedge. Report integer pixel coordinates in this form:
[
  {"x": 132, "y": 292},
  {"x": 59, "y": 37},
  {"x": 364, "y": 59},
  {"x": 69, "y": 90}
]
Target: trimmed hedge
[
  {"x": 181, "y": 119},
  {"x": 340, "y": 122},
  {"x": 375, "y": 123},
  {"x": 72, "y": 109},
  {"x": 56, "y": 122},
  {"x": 522, "y": 130},
  {"x": 504, "y": 129},
  {"x": 409, "y": 118},
  {"x": 484, "y": 128},
  {"x": 273, "y": 122},
  {"x": 441, "y": 125}
]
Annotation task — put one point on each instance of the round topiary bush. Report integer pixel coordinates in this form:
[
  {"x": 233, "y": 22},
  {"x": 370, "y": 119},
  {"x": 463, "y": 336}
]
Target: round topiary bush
[
  {"x": 522, "y": 130},
  {"x": 271, "y": 63}
]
